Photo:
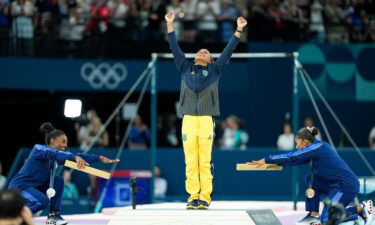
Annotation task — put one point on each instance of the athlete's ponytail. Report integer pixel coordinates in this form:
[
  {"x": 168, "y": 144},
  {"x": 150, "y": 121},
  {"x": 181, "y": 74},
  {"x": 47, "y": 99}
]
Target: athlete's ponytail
[
  {"x": 49, "y": 132},
  {"x": 308, "y": 133}
]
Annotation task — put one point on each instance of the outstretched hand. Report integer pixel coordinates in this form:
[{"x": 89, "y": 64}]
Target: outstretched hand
[
  {"x": 241, "y": 22},
  {"x": 81, "y": 163},
  {"x": 169, "y": 17},
  {"x": 104, "y": 159},
  {"x": 257, "y": 162}
]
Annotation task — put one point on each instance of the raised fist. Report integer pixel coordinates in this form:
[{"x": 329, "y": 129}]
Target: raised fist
[
  {"x": 169, "y": 17},
  {"x": 241, "y": 22}
]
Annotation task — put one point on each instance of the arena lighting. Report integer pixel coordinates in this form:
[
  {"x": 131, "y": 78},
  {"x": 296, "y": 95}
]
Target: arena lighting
[{"x": 72, "y": 108}]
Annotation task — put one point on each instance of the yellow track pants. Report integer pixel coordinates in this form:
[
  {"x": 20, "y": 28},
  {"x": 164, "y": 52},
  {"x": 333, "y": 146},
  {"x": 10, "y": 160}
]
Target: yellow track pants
[{"x": 197, "y": 137}]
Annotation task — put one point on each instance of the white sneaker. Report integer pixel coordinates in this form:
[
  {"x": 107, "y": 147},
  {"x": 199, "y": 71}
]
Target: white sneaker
[
  {"x": 309, "y": 220},
  {"x": 368, "y": 208}
]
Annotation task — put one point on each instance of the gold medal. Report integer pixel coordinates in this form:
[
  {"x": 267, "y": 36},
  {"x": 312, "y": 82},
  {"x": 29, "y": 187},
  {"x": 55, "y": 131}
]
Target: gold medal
[{"x": 310, "y": 193}]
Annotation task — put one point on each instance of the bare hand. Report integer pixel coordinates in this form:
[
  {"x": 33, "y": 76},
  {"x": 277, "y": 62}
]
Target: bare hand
[
  {"x": 81, "y": 163},
  {"x": 257, "y": 162},
  {"x": 104, "y": 159},
  {"x": 241, "y": 23},
  {"x": 27, "y": 216},
  {"x": 169, "y": 17}
]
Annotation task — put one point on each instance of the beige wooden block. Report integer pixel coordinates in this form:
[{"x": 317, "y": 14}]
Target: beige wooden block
[
  {"x": 245, "y": 166},
  {"x": 89, "y": 170}
]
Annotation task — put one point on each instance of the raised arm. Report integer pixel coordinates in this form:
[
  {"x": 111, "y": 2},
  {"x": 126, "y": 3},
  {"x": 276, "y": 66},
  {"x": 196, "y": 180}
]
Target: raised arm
[
  {"x": 226, "y": 54},
  {"x": 178, "y": 54}
]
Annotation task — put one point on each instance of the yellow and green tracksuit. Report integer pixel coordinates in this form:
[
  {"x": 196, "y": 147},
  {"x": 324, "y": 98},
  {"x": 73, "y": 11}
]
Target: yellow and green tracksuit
[{"x": 199, "y": 102}]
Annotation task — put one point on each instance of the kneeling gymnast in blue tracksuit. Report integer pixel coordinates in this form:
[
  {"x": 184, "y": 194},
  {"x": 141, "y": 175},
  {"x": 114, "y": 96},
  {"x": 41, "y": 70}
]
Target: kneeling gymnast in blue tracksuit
[
  {"x": 332, "y": 177},
  {"x": 34, "y": 177}
]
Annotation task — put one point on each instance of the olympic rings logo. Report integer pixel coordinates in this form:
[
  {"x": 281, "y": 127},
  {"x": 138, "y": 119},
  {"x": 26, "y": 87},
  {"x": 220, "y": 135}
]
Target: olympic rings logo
[{"x": 104, "y": 75}]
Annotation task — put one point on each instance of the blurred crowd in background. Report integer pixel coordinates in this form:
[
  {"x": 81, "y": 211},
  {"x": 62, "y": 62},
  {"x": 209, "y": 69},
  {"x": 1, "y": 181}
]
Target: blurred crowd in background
[{"x": 26, "y": 25}]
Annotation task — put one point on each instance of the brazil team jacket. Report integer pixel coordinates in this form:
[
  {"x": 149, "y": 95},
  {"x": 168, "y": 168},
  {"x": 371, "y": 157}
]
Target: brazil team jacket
[
  {"x": 36, "y": 170},
  {"x": 199, "y": 84},
  {"x": 326, "y": 164}
]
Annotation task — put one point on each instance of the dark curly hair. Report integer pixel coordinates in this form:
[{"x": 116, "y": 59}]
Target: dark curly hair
[{"x": 50, "y": 132}]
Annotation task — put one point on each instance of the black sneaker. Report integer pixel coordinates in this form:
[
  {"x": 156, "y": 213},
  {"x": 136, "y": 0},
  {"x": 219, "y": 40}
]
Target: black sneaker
[
  {"x": 203, "y": 204},
  {"x": 309, "y": 220},
  {"x": 55, "y": 219},
  {"x": 192, "y": 205}
]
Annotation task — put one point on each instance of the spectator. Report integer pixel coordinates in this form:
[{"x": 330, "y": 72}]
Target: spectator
[
  {"x": 234, "y": 136},
  {"x": 83, "y": 5},
  {"x": 286, "y": 139},
  {"x": 4, "y": 30},
  {"x": 189, "y": 8},
  {"x": 139, "y": 135},
  {"x": 13, "y": 210},
  {"x": 295, "y": 21},
  {"x": 357, "y": 21},
  {"x": 361, "y": 33},
  {"x": 168, "y": 131},
  {"x": 22, "y": 12},
  {"x": 62, "y": 10},
  {"x": 44, "y": 9},
  {"x": 309, "y": 122},
  {"x": 173, "y": 132},
  {"x": 317, "y": 29},
  {"x": 3, "y": 179},
  {"x": 207, "y": 13},
  {"x": 143, "y": 17},
  {"x": 227, "y": 18},
  {"x": 161, "y": 184},
  {"x": 156, "y": 17},
  {"x": 70, "y": 189},
  {"x": 279, "y": 26},
  {"x": 73, "y": 28},
  {"x": 99, "y": 17},
  {"x": 118, "y": 11},
  {"x": 87, "y": 133},
  {"x": 371, "y": 138},
  {"x": 334, "y": 22}
]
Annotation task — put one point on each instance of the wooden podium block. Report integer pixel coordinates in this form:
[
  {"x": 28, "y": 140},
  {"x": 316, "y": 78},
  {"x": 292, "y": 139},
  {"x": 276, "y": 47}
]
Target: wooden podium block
[
  {"x": 89, "y": 170},
  {"x": 244, "y": 167}
]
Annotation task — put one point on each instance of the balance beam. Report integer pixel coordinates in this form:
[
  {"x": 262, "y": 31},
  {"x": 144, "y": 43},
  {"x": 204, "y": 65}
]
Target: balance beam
[
  {"x": 245, "y": 167},
  {"x": 87, "y": 169}
]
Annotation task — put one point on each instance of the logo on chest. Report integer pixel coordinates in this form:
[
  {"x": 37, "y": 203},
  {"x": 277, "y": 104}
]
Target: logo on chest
[{"x": 205, "y": 72}]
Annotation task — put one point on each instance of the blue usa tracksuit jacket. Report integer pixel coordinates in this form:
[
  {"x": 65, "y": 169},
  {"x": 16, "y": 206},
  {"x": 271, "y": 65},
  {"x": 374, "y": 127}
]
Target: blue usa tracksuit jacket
[
  {"x": 34, "y": 177},
  {"x": 332, "y": 176}
]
